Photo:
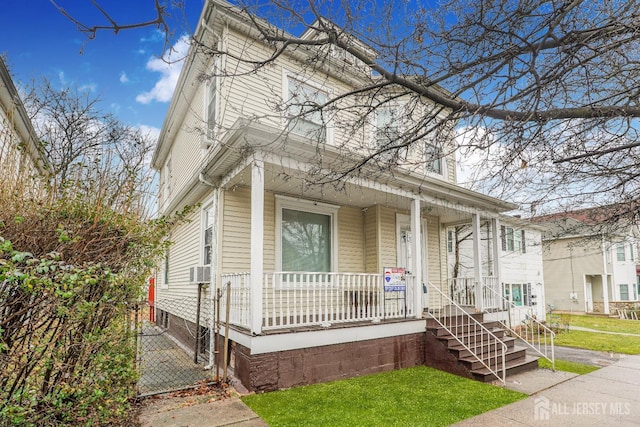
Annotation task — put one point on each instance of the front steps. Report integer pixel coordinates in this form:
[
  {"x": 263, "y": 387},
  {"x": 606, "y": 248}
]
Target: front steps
[{"x": 448, "y": 354}]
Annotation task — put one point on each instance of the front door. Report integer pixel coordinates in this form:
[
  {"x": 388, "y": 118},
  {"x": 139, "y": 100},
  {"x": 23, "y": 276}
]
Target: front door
[{"x": 588, "y": 295}]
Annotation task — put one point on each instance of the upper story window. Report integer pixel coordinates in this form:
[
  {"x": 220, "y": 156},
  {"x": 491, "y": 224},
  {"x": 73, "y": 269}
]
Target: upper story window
[
  {"x": 433, "y": 159},
  {"x": 513, "y": 240},
  {"x": 303, "y": 112},
  {"x": 620, "y": 252},
  {"x": 211, "y": 100},
  {"x": 387, "y": 126},
  {"x": 167, "y": 180}
]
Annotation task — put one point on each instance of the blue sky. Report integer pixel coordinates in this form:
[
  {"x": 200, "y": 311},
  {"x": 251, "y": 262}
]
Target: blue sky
[{"x": 123, "y": 70}]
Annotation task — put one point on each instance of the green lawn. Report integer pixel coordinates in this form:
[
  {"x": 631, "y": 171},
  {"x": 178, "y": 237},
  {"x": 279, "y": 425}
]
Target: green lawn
[
  {"x": 414, "y": 396},
  {"x": 600, "y": 342},
  {"x": 567, "y": 366},
  {"x": 606, "y": 324}
]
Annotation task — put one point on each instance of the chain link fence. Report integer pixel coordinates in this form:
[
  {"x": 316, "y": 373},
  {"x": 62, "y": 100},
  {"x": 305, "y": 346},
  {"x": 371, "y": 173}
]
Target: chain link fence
[{"x": 174, "y": 344}]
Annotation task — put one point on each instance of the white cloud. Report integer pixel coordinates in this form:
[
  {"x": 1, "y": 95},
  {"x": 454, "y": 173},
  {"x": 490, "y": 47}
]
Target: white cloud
[
  {"x": 169, "y": 67},
  {"x": 123, "y": 77},
  {"x": 89, "y": 87},
  {"x": 151, "y": 131}
]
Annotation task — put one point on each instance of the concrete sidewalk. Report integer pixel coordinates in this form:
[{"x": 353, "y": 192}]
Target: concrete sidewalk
[
  {"x": 197, "y": 412},
  {"x": 609, "y": 396}
]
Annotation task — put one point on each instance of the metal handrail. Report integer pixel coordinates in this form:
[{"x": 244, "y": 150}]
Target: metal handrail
[
  {"x": 457, "y": 327},
  {"x": 537, "y": 336}
]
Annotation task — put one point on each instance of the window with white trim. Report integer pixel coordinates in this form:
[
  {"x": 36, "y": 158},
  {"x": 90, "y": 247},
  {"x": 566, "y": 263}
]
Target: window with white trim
[
  {"x": 167, "y": 180},
  {"x": 165, "y": 279},
  {"x": 303, "y": 113},
  {"x": 211, "y": 100},
  {"x": 620, "y": 252},
  {"x": 207, "y": 236},
  {"x": 306, "y": 235},
  {"x": 513, "y": 240},
  {"x": 433, "y": 159},
  {"x": 387, "y": 126},
  {"x": 624, "y": 292}
]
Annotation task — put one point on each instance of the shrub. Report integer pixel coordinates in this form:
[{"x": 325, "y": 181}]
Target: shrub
[{"x": 69, "y": 269}]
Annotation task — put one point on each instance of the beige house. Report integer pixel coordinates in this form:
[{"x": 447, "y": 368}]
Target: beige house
[
  {"x": 306, "y": 263},
  {"x": 590, "y": 262},
  {"x": 21, "y": 156}
]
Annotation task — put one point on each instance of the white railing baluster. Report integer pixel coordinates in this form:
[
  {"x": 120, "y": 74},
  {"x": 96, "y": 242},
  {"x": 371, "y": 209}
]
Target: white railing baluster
[
  {"x": 465, "y": 329},
  {"x": 542, "y": 341}
]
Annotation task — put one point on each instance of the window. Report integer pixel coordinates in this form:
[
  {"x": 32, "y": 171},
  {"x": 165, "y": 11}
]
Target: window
[
  {"x": 433, "y": 159},
  {"x": 624, "y": 292},
  {"x": 509, "y": 238},
  {"x": 631, "y": 255},
  {"x": 450, "y": 241},
  {"x": 305, "y": 118},
  {"x": 207, "y": 238},
  {"x": 212, "y": 99},
  {"x": 307, "y": 235},
  {"x": 620, "y": 251},
  {"x": 512, "y": 239},
  {"x": 387, "y": 126},
  {"x": 166, "y": 270},
  {"x": 167, "y": 180}
]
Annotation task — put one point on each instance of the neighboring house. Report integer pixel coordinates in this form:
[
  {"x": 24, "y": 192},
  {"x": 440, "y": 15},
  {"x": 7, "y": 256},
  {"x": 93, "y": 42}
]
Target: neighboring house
[
  {"x": 590, "y": 261},
  {"x": 519, "y": 264},
  {"x": 306, "y": 263},
  {"x": 21, "y": 156}
]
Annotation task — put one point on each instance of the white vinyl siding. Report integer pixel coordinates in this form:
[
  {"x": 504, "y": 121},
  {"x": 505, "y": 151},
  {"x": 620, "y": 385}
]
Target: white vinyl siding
[{"x": 350, "y": 240}]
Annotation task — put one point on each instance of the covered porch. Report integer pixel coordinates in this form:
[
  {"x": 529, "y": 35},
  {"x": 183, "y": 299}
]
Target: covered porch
[{"x": 315, "y": 254}]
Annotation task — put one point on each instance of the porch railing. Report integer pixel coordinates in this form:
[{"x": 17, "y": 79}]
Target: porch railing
[
  {"x": 476, "y": 338},
  {"x": 295, "y": 299},
  {"x": 463, "y": 292},
  {"x": 524, "y": 325},
  {"x": 491, "y": 293},
  {"x": 240, "y": 290}
]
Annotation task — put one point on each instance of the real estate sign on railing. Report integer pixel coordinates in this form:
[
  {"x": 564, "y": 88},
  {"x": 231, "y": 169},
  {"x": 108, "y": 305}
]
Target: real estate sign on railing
[{"x": 394, "y": 279}]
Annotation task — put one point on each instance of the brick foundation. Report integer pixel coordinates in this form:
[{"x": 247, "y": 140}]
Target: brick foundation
[{"x": 284, "y": 369}]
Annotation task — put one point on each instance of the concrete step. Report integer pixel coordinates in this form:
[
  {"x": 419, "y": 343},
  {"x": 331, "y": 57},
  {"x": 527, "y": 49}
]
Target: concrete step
[
  {"x": 459, "y": 351},
  {"x": 473, "y": 364},
  {"x": 512, "y": 367},
  {"x": 440, "y": 330}
]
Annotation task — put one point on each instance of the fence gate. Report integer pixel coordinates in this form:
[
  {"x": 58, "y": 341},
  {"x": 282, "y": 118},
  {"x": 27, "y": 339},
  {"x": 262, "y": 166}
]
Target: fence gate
[{"x": 173, "y": 344}]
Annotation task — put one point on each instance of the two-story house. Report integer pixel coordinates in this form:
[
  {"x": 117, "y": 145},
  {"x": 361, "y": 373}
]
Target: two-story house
[
  {"x": 328, "y": 278},
  {"x": 21, "y": 158},
  {"x": 518, "y": 263},
  {"x": 590, "y": 260}
]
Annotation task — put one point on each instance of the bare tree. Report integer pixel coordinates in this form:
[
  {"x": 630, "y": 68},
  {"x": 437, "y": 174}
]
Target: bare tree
[
  {"x": 545, "y": 93},
  {"x": 91, "y": 152}
]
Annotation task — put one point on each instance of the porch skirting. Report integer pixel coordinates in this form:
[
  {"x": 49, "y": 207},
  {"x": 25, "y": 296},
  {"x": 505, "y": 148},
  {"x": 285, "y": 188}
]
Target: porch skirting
[{"x": 290, "y": 368}]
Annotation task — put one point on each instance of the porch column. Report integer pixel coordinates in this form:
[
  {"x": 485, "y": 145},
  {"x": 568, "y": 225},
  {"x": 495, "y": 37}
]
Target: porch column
[
  {"x": 477, "y": 259},
  {"x": 257, "y": 240},
  {"x": 605, "y": 283},
  {"x": 605, "y": 293},
  {"x": 497, "y": 249},
  {"x": 416, "y": 250}
]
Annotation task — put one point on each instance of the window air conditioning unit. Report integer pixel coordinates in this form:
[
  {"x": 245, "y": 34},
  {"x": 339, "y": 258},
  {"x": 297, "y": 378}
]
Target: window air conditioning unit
[{"x": 200, "y": 274}]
